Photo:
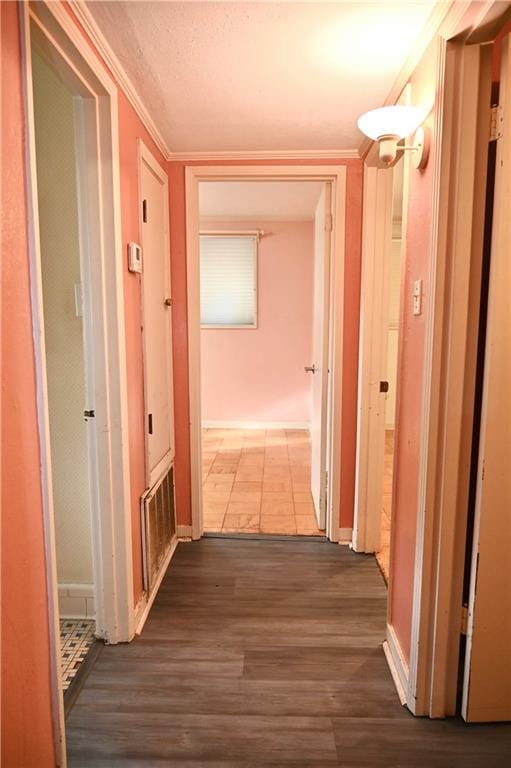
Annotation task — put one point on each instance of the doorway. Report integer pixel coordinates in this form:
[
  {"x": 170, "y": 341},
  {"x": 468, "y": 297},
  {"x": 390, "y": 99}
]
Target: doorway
[
  {"x": 251, "y": 390},
  {"x": 58, "y": 124},
  {"x": 391, "y": 319},
  {"x": 76, "y": 276},
  {"x": 264, "y": 317}
]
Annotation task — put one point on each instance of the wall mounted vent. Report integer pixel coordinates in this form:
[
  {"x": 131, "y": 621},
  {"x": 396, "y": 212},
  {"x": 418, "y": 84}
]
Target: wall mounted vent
[{"x": 158, "y": 527}]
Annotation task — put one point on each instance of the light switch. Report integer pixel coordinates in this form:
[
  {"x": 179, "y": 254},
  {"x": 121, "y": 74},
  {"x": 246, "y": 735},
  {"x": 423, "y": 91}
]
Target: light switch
[
  {"x": 417, "y": 297},
  {"x": 134, "y": 257}
]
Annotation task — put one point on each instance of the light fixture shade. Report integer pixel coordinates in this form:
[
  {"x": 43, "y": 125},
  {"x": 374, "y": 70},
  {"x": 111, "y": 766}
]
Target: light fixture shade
[{"x": 397, "y": 120}]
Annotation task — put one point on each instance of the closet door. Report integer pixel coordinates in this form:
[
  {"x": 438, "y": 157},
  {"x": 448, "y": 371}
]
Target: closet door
[
  {"x": 487, "y": 674},
  {"x": 156, "y": 316}
]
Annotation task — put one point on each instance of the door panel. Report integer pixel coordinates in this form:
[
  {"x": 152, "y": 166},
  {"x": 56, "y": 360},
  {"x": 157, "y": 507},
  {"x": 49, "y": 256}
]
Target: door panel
[
  {"x": 322, "y": 242},
  {"x": 156, "y": 314},
  {"x": 487, "y": 678}
]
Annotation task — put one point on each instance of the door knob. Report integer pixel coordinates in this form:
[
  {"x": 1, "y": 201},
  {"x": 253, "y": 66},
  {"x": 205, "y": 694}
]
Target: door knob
[{"x": 310, "y": 369}]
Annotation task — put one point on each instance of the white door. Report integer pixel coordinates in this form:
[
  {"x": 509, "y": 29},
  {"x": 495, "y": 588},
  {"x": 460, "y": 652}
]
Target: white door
[
  {"x": 319, "y": 372},
  {"x": 156, "y": 317},
  {"x": 487, "y": 678}
]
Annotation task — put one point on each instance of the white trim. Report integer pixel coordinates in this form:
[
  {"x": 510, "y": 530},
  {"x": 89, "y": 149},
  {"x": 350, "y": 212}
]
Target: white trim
[
  {"x": 205, "y": 220},
  {"x": 397, "y": 664},
  {"x": 184, "y": 532},
  {"x": 336, "y": 175},
  {"x": 374, "y": 297},
  {"x": 92, "y": 30},
  {"x": 290, "y": 154},
  {"x": 145, "y": 604},
  {"x": 112, "y": 540},
  {"x": 220, "y": 424}
]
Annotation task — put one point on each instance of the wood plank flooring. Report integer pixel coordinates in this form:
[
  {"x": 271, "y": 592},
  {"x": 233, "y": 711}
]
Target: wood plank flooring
[{"x": 264, "y": 654}]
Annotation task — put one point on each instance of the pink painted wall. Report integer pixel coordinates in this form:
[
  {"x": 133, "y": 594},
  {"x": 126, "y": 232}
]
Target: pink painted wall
[
  {"x": 176, "y": 171},
  {"x": 258, "y": 374},
  {"x": 410, "y": 384},
  {"x": 27, "y": 733}
]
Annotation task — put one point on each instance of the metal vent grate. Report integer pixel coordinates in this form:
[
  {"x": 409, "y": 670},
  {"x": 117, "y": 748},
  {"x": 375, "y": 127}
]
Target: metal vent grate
[{"x": 158, "y": 526}]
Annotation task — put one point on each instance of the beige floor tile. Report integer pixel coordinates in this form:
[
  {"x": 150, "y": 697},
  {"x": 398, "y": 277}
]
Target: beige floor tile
[
  {"x": 299, "y": 496},
  {"x": 241, "y": 522},
  {"x": 252, "y": 460},
  {"x": 219, "y": 468},
  {"x": 217, "y": 482},
  {"x": 249, "y": 474},
  {"x": 212, "y": 507},
  {"x": 307, "y": 525},
  {"x": 304, "y": 508},
  {"x": 222, "y": 494},
  {"x": 255, "y": 485},
  {"x": 278, "y": 496},
  {"x": 243, "y": 508},
  {"x": 273, "y": 524},
  {"x": 277, "y": 508},
  {"x": 245, "y": 496},
  {"x": 300, "y": 487},
  {"x": 274, "y": 486},
  {"x": 213, "y": 523}
]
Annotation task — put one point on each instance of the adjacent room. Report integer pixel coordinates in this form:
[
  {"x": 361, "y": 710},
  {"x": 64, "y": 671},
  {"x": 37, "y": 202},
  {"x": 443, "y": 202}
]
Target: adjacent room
[
  {"x": 58, "y": 131},
  {"x": 262, "y": 246}
]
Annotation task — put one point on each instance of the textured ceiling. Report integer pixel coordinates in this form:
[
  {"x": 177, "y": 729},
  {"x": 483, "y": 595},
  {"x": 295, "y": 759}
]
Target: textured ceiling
[
  {"x": 270, "y": 76},
  {"x": 251, "y": 200}
]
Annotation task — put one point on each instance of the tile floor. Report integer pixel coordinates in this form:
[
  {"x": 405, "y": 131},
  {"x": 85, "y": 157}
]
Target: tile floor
[
  {"x": 76, "y": 639},
  {"x": 383, "y": 555},
  {"x": 258, "y": 481}
]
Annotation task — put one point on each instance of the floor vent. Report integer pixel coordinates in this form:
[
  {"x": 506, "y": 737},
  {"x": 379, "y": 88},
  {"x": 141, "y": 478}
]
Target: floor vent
[{"x": 158, "y": 527}]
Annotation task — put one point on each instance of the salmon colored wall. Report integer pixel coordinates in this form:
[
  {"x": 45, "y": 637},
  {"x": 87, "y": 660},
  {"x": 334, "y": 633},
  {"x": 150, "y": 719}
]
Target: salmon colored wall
[
  {"x": 176, "y": 171},
  {"x": 410, "y": 384},
  {"x": 27, "y": 732},
  {"x": 258, "y": 374}
]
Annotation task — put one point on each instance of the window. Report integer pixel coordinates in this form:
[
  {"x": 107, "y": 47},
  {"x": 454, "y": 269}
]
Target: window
[{"x": 228, "y": 281}]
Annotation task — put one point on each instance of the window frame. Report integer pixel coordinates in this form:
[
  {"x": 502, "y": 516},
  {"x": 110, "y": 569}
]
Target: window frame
[{"x": 255, "y": 235}]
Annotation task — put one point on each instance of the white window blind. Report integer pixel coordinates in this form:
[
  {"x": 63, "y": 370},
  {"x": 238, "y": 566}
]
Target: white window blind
[{"x": 228, "y": 280}]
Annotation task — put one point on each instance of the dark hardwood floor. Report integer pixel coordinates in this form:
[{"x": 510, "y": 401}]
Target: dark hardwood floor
[{"x": 264, "y": 653}]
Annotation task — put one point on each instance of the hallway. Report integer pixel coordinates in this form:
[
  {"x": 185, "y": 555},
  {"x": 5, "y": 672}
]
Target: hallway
[{"x": 264, "y": 654}]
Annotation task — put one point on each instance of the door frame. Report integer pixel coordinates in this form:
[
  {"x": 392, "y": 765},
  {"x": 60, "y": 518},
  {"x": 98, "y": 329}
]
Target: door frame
[
  {"x": 427, "y": 683},
  {"x": 108, "y": 432},
  {"x": 144, "y": 155},
  {"x": 336, "y": 175}
]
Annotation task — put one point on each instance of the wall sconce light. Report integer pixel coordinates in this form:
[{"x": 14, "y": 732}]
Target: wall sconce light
[{"x": 389, "y": 125}]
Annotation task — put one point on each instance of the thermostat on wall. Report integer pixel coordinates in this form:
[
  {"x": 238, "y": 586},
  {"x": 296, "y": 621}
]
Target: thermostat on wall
[{"x": 134, "y": 257}]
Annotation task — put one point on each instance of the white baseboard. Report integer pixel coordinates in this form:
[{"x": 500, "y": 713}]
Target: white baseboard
[
  {"x": 397, "y": 664},
  {"x": 256, "y": 424},
  {"x": 345, "y": 536},
  {"x": 142, "y": 610},
  {"x": 76, "y": 601},
  {"x": 184, "y": 531}
]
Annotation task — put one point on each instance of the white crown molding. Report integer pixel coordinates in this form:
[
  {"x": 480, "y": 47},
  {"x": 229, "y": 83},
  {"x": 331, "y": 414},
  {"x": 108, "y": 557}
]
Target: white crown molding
[
  {"x": 290, "y": 154},
  {"x": 102, "y": 46},
  {"x": 445, "y": 20}
]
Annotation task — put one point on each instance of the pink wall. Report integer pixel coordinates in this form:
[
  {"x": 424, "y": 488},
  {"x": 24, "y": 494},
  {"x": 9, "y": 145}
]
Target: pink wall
[
  {"x": 27, "y": 733},
  {"x": 258, "y": 374},
  {"x": 410, "y": 386},
  {"x": 176, "y": 171}
]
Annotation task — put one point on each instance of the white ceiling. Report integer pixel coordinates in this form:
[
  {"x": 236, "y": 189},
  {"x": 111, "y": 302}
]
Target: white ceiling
[
  {"x": 268, "y": 76},
  {"x": 258, "y": 200}
]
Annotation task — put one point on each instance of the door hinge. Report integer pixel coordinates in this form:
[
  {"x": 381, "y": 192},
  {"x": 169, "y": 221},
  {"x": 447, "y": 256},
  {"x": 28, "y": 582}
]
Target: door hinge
[
  {"x": 150, "y": 423},
  {"x": 464, "y": 619},
  {"x": 144, "y": 211},
  {"x": 384, "y": 386},
  {"x": 496, "y": 122},
  {"x": 329, "y": 223},
  {"x": 89, "y": 414}
]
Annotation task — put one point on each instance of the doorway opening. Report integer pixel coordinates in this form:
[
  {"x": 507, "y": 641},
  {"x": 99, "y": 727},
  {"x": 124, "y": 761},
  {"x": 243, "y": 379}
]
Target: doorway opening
[
  {"x": 392, "y": 313},
  {"x": 251, "y": 373},
  {"x": 264, "y": 279},
  {"x": 59, "y": 131}
]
